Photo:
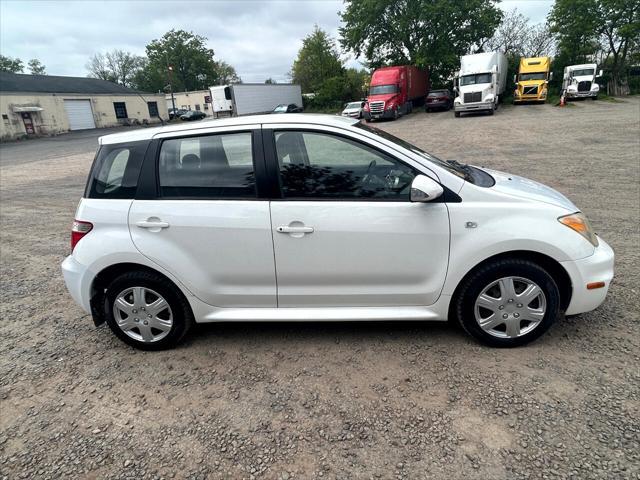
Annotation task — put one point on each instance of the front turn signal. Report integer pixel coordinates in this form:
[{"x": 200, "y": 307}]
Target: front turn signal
[{"x": 579, "y": 223}]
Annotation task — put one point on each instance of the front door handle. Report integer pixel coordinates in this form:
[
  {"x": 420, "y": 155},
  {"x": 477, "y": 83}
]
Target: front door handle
[{"x": 287, "y": 229}]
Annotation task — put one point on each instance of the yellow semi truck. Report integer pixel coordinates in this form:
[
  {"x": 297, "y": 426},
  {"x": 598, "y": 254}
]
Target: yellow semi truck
[{"x": 532, "y": 81}]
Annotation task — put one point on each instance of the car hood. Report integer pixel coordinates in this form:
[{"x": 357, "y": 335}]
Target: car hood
[{"x": 524, "y": 188}]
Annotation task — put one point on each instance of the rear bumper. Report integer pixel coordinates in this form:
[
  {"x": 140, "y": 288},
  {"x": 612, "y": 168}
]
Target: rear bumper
[
  {"x": 76, "y": 277},
  {"x": 473, "y": 107},
  {"x": 595, "y": 268},
  {"x": 440, "y": 104}
]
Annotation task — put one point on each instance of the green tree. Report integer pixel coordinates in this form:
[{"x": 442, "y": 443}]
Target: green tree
[
  {"x": 36, "y": 68},
  {"x": 182, "y": 58},
  {"x": 270, "y": 81},
  {"x": 226, "y": 73},
  {"x": 117, "y": 66},
  {"x": 8, "y": 64},
  {"x": 425, "y": 33},
  {"x": 318, "y": 60},
  {"x": 583, "y": 27}
]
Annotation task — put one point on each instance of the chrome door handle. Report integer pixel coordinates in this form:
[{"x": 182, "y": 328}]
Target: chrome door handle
[
  {"x": 287, "y": 229},
  {"x": 152, "y": 224}
]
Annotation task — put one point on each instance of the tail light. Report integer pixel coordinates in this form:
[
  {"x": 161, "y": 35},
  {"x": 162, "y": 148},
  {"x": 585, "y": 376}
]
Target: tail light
[{"x": 79, "y": 230}]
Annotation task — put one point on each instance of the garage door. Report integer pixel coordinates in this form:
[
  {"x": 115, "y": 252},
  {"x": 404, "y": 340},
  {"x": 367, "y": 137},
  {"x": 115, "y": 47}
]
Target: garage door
[{"x": 79, "y": 114}]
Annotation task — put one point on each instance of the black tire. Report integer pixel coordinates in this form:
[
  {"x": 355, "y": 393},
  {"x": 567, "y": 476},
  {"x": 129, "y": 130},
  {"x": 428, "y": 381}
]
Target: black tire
[
  {"x": 490, "y": 111},
  {"x": 457, "y": 114},
  {"x": 463, "y": 304},
  {"x": 428, "y": 110},
  {"x": 182, "y": 315}
]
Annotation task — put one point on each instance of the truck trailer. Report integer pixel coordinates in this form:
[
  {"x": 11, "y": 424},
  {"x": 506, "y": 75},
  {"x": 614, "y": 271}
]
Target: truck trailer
[
  {"x": 532, "y": 81},
  {"x": 394, "y": 91},
  {"x": 480, "y": 82},
  {"x": 579, "y": 81},
  {"x": 253, "y": 98}
]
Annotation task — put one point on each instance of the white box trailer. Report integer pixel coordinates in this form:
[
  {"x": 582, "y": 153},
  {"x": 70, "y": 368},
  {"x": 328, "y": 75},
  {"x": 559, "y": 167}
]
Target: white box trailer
[
  {"x": 481, "y": 82},
  {"x": 252, "y": 98}
]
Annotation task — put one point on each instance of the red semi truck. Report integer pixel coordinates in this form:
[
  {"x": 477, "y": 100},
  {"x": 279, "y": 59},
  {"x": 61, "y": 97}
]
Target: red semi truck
[{"x": 395, "y": 90}]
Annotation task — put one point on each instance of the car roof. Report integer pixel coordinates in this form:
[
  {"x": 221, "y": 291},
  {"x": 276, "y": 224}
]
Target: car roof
[{"x": 299, "y": 118}]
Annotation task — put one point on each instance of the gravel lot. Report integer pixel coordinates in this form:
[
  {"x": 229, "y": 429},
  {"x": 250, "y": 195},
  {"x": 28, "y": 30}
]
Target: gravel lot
[{"x": 369, "y": 400}]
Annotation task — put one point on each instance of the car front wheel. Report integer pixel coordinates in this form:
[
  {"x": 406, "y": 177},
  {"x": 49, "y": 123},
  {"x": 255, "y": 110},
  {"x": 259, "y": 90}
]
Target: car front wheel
[
  {"x": 146, "y": 311},
  {"x": 507, "y": 303}
]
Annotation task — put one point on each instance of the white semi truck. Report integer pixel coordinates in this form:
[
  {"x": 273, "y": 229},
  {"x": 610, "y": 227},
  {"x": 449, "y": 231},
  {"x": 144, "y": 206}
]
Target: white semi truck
[
  {"x": 251, "y": 98},
  {"x": 579, "y": 81},
  {"x": 480, "y": 82}
]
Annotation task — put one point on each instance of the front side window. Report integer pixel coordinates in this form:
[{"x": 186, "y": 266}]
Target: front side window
[
  {"x": 120, "y": 109},
  {"x": 324, "y": 166},
  {"x": 213, "y": 166},
  {"x": 475, "y": 79}
]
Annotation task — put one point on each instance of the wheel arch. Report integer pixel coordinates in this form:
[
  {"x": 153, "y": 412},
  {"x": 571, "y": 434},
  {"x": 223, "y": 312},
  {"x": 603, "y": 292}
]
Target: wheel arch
[
  {"x": 110, "y": 273},
  {"x": 555, "y": 269}
]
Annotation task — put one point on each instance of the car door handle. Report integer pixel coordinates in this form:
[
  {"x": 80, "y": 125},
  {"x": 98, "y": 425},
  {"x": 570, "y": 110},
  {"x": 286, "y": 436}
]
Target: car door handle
[
  {"x": 287, "y": 229},
  {"x": 152, "y": 224}
]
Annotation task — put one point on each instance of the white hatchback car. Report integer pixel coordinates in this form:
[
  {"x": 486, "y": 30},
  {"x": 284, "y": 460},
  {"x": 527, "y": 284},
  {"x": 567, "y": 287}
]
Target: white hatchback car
[{"x": 311, "y": 217}]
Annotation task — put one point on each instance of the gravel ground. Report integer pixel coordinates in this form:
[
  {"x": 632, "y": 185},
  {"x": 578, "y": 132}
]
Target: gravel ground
[{"x": 369, "y": 400}]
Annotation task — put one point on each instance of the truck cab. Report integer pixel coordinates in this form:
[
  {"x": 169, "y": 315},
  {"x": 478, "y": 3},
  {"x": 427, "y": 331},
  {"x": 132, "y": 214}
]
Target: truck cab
[
  {"x": 579, "y": 81},
  {"x": 394, "y": 91},
  {"x": 532, "y": 80},
  {"x": 480, "y": 82}
]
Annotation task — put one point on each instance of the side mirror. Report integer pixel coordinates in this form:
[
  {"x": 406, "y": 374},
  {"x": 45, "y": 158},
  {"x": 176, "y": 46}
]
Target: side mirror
[
  {"x": 424, "y": 189},
  {"x": 551, "y": 76},
  {"x": 600, "y": 73},
  {"x": 514, "y": 79}
]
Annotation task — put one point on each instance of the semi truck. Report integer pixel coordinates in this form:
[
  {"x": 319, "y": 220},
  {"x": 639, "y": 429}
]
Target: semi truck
[
  {"x": 394, "y": 91},
  {"x": 532, "y": 80},
  {"x": 480, "y": 83},
  {"x": 579, "y": 81},
  {"x": 252, "y": 98}
]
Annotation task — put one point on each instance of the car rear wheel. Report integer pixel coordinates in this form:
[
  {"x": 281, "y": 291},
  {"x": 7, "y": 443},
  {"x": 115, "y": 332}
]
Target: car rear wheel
[
  {"x": 146, "y": 311},
  {"x": 507, "y": 303}
]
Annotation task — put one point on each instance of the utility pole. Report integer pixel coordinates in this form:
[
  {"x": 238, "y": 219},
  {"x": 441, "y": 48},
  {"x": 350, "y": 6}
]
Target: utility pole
[{"x": 170, "y": 75}]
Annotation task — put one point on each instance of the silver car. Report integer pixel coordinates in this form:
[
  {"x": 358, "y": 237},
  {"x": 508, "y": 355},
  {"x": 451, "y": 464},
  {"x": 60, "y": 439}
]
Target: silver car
[{"x": 353, "y": 110}]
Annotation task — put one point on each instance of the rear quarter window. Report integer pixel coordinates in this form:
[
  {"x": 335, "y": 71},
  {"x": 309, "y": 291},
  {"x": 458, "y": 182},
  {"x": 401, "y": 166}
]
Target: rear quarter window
[{"x": 116, "y": 170}]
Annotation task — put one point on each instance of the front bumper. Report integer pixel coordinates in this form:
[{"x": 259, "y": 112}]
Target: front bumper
[
  {"x": 376, "y": 116},
  {"x": 588, "y": 94},
  {"x": 472, "y": 107},
  {"x": 594, "y": 268},
  {"x": 78, "y": 283}
]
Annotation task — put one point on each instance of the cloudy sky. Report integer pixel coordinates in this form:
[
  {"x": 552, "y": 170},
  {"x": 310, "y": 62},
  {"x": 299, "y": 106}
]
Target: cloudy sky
[{"x": 259, "y": 38}]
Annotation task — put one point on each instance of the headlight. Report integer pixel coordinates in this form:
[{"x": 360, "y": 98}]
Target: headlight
[
  {"x": 595, "y": 87},
  {"x": 516, "y": 93},
  {"x": 489, "y": 98},
  {"x": 544, "y": 93},
  {"x": 579, "y": 223}
]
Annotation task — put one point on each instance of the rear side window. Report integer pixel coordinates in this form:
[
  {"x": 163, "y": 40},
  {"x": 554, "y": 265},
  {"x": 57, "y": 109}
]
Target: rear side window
[
  {"x": 213, "y": 166},
  {"x": 116, "y": 170}
]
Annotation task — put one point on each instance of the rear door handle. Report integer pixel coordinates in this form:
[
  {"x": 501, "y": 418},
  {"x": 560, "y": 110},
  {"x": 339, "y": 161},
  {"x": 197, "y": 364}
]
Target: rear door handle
[
  {"x": 287, "y": 229},
  {"x": 152, "y": 224}
]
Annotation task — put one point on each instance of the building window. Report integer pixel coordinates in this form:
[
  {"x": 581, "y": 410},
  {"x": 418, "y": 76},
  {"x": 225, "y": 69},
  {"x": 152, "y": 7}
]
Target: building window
[
  {"x": 206, "y": 106},
  {"x": 197, "y": 107},
  {"x": 121, "y": 109},
  {"x": 153, "y": 109}
]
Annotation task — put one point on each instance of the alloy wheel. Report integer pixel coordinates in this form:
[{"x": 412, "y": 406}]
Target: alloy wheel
[
  {"x": 510, "y": 307},
  {"x": 143, "y": 314}
]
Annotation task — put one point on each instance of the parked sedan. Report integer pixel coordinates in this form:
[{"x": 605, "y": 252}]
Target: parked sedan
[
  {"x": 192, "y": 115},
  {"x": 353, "y": 110},
  {"x": 320, "y": 217},
  {"x": 438, "y": 99},
  {"x": 284, "y": 108}
]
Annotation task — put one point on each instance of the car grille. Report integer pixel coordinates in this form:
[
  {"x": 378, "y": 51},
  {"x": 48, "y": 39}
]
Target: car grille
[
  {"x": 584, "y": 86},
  {"x": 376, "y": 107},
  {"x": 530, "y": 90},
  {"x": 472, "y": 97}
]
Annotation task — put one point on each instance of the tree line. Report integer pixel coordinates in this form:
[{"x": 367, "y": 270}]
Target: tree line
[{"x": 15, "y": 65}]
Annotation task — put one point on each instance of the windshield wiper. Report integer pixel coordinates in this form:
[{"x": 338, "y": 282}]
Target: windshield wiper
[{"x": 464, "y": 168}]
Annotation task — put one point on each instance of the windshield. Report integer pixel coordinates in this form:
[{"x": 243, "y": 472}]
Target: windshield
[
  {"x": 583, "y": 72},
  {"x": 354, "y": 105},
  {"x": 473, "y": 79},
  {"x": 280, "y": 108},
  {"x": 383, "y": 89},
  {"x": 533, "y": 76}
]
